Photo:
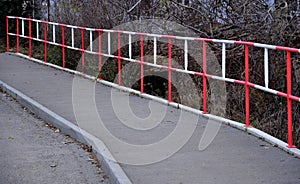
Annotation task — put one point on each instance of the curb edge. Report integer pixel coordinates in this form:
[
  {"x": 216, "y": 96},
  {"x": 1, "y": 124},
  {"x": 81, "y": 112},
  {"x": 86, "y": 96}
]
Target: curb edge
[{"x": 111, "y": 168}]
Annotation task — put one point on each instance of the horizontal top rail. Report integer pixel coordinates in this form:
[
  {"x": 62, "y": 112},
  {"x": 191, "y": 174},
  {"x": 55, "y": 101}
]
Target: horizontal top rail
[{"x": 273, "y": 47}]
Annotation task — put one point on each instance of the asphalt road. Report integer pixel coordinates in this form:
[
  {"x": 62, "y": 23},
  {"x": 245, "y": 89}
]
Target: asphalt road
[
  {"x": 31, "y": 151},
  {"x": 234, "y": 157}
]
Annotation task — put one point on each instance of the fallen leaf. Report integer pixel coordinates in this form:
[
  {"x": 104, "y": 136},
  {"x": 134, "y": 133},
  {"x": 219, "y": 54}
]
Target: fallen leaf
[
  {"x": 10, "y": 138},
  {"x": 57, "y": 131},
  {"x": 86, "y": 148},
  {"x": 53, "y": 165},
  {"x": 91, "y": 159},
  {"x": 265, "y": 146}
]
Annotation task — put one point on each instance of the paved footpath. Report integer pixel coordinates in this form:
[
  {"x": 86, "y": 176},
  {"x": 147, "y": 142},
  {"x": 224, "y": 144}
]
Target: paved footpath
[
  {"x": 33, "y": 153},
  {"x": 234, "y": 157}
]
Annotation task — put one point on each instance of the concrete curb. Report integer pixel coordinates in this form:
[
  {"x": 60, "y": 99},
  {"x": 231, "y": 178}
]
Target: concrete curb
[
  {"x": 111, "y": 168},
  {"x": 251, "y": 130}
]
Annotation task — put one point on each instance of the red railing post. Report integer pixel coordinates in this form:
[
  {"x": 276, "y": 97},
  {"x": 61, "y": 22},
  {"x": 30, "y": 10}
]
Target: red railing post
[
  {"x": 247, "y": 95},
  {"x": 204, "y": 77},
  {"x": 169, "y": 70},
  {"x": 63, "y": 45},
  {"x": 119, "y": 59},
  {"x": 45, "y": 42},
  {"x": 17, "y": 27},
  {"x": 7, "y": 36},
  {"x": 30, "y": 38},
  {"x": 289, "y": 100},
  {"x": 142, "y": 65},
  {"x": 100, "y": 54},
  {"x": 82, "y": 49}
]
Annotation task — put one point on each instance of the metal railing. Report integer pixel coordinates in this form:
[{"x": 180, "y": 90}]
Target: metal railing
[{"x": 246, "y": 83}]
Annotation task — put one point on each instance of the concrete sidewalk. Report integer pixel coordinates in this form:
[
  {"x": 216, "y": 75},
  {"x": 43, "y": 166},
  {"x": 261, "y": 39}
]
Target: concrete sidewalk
[{"x": 233, "y": 157}]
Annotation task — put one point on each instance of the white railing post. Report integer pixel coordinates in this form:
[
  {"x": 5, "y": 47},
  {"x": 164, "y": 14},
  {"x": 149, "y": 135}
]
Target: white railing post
[
  {"x": 223, "y": 60},
  {"x": 23, "y": 27},
  {"x": 91, "y": 41},
  {"x": 155, "y": 50},
  {"x": 72, "y": 34},
  {"x": 108, "y": 43},
  {"x": 185, "y": 55},
  {"x": 37, "y": 30},
  {"x": 53, "y": 33},
  {"x": 266, "y": 66},
  {"x": 130, "y": 46}
]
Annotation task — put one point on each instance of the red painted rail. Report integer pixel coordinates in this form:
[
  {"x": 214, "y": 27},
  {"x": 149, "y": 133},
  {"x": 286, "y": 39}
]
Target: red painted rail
[{"x": 246, "y": 83}]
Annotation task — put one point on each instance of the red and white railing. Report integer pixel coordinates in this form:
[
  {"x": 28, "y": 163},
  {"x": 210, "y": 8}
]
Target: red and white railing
[{"x": 43, "y": 38}]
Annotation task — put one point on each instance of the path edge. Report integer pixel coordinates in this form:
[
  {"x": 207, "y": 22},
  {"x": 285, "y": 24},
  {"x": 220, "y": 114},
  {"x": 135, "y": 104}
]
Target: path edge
[{"x": 114, "y": 171}]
